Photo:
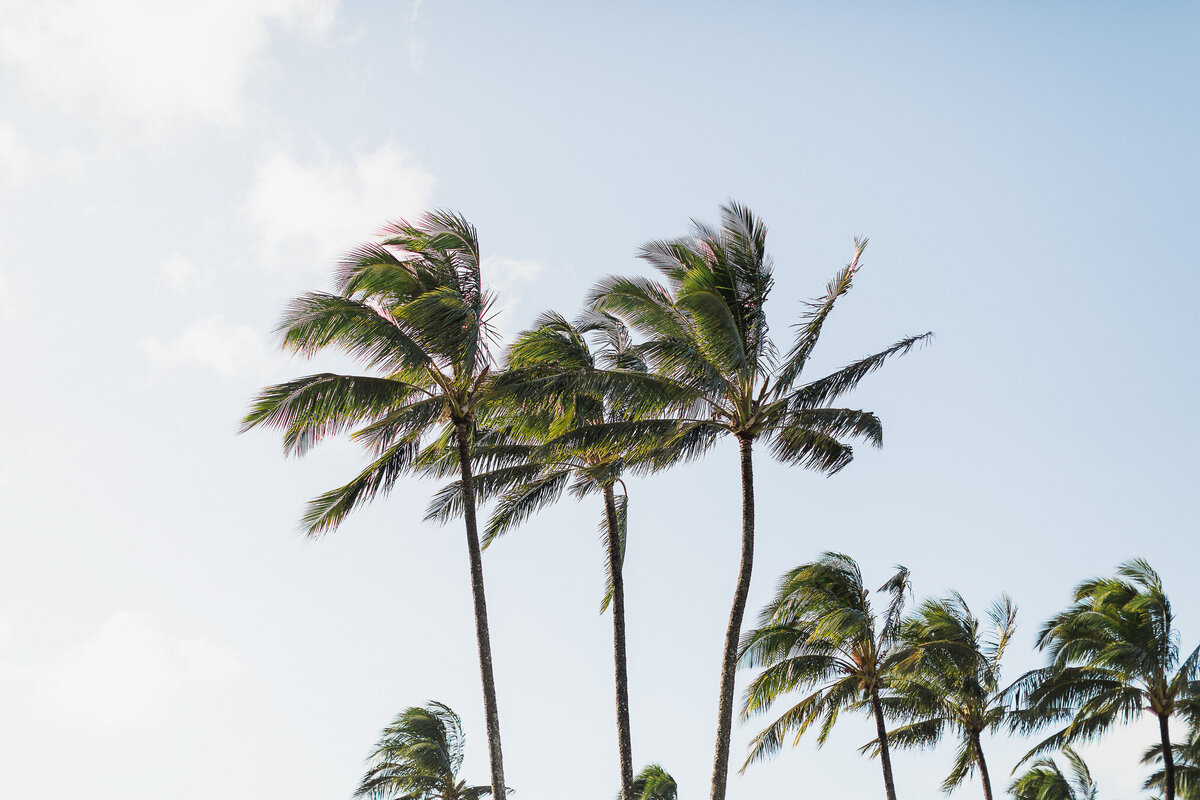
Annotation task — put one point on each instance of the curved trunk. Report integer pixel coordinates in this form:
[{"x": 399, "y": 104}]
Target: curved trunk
[
  {"x": 1168, "y": 757},
  {"x": 619, "y": 663},
  {"x": 982, "y": 764},
  {"x": 481, "y": 623},
  {"x": 734, "y": 631},
  {"x": 885, "y": 757}
]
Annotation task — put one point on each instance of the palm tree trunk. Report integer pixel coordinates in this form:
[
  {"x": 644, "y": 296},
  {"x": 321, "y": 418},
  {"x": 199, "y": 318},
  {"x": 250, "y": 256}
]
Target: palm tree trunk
[
  {"x": 885, "y": 757},
  {"x": 982, "y": 764},
  {"x": 484, "y": 641},
  {"x": 734, "y": 631},
  {"x": 1168, "y": 756},
  {"x": 619, "y": 662}
]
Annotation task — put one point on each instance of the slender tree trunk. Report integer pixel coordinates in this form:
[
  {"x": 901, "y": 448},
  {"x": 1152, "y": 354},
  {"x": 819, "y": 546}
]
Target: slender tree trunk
[
  {"x": 1168, "y": 757},
  {"x": 734, "y": 631},
  {"x": 982, "y": 764},
  {"x": 885, "y": 757},
  {"x": 619, "y": 662},
  {"x": 484, "y": 641}
]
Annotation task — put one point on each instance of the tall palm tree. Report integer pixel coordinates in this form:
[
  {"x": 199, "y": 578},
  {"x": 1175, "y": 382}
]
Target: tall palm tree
[
  {"x": 1187, "y": 766},
  {"x": 558, "y": 386},
  {"x": 418, "y": 758},
  {"x": 820, "y": 632},
  {"x": 655, "y": 783},
  {"x": 1045, "y": 781},
  {"x": 950, "y": 681},
  {"x": 1114, "y": 654},
  {"x": 706, "y": 329},
  {"x": 414, "y": 310}
]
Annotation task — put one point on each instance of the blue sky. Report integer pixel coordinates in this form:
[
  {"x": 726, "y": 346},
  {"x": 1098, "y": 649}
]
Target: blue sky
[{"x": 171, "y": 173}]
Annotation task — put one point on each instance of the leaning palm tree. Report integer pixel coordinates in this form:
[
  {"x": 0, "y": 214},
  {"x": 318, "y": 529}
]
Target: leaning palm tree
[
  {"x": 418, "y": 758},
  {"x": 654, "y": 783},
  {"x": 412, "y": 309},
  {"x": 706, "y": 329},
  {"x": 1114, "y": 654},
  {"x": 950, "y": 682},
  {"x": 1187, "y": 766},
  {"x": 1045, "y": 781},
  {"x": 559, "y": 385},
  {"x": 820, "y": 632}
]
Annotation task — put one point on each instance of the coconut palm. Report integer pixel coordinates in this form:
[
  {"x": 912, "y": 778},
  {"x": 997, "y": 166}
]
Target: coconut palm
[
  {"x": 418, "y": 758},
  {"x": 820, "y": 633},
  {"x": 413, "y": 310},
  {"x": 1187, "y": 766},
  {"x": 654, "y": 783},
  {"x": 1045, "y": 781},
  {"x": 950, "y": 682},
  {"x": 557, "y": 385},
  {"x": 705, "y": 328},
  {"x": 1114, "y": 655}
]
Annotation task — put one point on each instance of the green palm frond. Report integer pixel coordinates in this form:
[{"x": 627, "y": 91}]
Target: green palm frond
[{"x": 654, "y": 783}]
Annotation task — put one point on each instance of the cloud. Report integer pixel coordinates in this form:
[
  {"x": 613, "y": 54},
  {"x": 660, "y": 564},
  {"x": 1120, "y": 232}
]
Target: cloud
[
  {"x": 505, "y": 276},
  {"x": 180, "y": 274},
  {"x": 227, "y": 348},
  {"x": 15, "y": 160},
  {"x": 308, "y": 215},
  {"x": 416, "y": 45},
  {"x": 127, "y": 673},
  {"x": 155, "y": 61}
]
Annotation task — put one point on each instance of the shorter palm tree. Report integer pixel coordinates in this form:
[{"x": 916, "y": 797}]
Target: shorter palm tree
[
  {"x": 1045, "y": 781},
  {"x": 1187, "y": 766},
  {"x": 1114, "y": 655},
  {"x": 820, "y": 631},
  {"x": 654, "y": 783},
  {"x": 951, "y": 682},
  {"x": 418, "y": 758}
]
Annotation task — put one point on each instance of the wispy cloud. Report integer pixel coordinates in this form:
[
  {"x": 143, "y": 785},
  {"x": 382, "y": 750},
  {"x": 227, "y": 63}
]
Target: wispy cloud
[
  {"x": 508, "y": 277},
  {"x": 309, "y": 214},
  {"x": 181, "y": 274},
  {"x": 227, "y": 348},
  {"x": 126, "y": 673},
  {"x": 157, "y": 63},
  {"x": 416, "y": 45},
  {"x": 15, "y": 158}
]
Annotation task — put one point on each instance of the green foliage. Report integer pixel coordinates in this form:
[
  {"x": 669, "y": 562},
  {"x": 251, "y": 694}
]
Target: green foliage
[
  {"x": 654, "y": 783},
  {"x": 1045, "y": 781},
  {"x": 821, "y": 633},
  {"x": 1187, "y": 766},
  {"x": 418, "y": 757}
]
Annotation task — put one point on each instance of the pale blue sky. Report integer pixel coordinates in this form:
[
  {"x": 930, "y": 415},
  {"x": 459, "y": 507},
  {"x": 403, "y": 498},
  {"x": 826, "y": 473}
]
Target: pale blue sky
[{"x": 171, "y": 173}]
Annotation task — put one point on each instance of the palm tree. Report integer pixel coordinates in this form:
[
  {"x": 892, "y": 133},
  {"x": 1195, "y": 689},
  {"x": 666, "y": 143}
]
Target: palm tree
[
  {"x": 706, "y": 330},
  {"x": 1114, "y": 654},
  {"x": 413, "y": 309},
  {"x": 655, "y": 783},
  {"x": 950, "y": 682},
  {"x": 820, "y": 632},
  {"x": 418, "y": 758},
  {"x": 1045, "y": 781},
  {"x": 557, "y": 387},
  {"x": 1187, "y": 766}
]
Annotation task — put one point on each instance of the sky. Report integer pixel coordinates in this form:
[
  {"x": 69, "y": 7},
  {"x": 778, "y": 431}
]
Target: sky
[{"x": 172, "y": 173}]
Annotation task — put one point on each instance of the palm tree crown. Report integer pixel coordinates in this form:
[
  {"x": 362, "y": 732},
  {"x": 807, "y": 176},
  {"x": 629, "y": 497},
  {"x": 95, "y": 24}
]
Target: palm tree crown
[
  {"x": 418, "y": 757},
  {"x": 1045, "y": 781},
  {"x": 821, "y": 632},
  {"x": 950, "y": 681},
  {"x": 1114, "y": 654}
]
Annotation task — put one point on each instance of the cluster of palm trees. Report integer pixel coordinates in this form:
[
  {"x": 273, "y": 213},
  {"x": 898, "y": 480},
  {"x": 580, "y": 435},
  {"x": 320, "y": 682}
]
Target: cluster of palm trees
[
  {"x": 1113, "y": 656},
  {"x": 649, "y": 375}
]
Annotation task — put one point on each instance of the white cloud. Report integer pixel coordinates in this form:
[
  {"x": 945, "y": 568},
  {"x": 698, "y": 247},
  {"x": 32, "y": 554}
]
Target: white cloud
[
  {"x": 416, "y": 45},
  {"x": 227, "y": 348},
  {"x": 506, "y": 276},
  {"x": 180, "y": 273},
  {"x": 156, "y": 61},
  {"x": 308, "y": 215},
  {"x": 127, "y": 673},
  {"x": 15, "y": 160},
  {"x": 5, "y": 631}
]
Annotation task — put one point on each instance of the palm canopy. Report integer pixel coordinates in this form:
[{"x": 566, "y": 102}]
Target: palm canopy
[
  {"x": 1113, "y": 655},
  {"x": 418, "y": 757},
  {"x": 413, "y": 310},
  {"x": 821, "y": 632},
  {"x": 705, "y": 328},
  {"x": 949, "y": 681},
  {"x": 1046, "y": 781},
  {"x": 654, "y": 783},
  {"x": 1187, "y": 766}
]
